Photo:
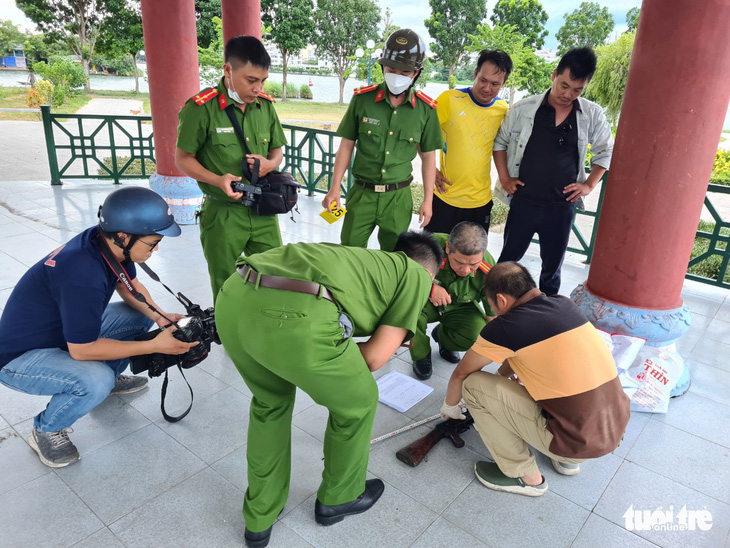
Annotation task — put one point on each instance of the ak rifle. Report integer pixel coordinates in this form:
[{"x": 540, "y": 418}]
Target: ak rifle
[{"x": 415, "y": 453}]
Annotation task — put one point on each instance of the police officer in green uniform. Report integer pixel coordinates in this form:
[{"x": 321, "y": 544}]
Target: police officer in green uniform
[
  {"x": 303, "y": 304},
  {"x": 391, "y": 123},
  {"x": 209, "y": 151},
  {"x": 456, "y": 292}
]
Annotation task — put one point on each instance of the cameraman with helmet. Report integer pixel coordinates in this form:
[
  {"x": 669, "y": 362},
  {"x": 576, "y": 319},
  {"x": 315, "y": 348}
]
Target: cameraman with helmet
[
  {"x": 390, "y": 122},
  {"x": 60, "y": 337}
]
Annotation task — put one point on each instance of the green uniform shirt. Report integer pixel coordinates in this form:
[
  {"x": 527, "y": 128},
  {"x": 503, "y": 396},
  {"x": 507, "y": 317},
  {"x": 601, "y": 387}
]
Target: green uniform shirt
[
  {"x": 206, "y": 131},
  {"x": 464, "y": 289},
  {"x": 372, "y": 287},
  {"x": 388, "y": 138}
]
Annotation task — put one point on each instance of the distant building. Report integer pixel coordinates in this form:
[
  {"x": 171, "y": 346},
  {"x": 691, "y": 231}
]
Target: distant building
[
  {"x": 549, "y": 55},
  {"x": 16, "y": 59}
]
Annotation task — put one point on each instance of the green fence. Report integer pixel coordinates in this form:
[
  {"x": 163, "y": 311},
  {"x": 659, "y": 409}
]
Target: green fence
[{"x": 89, "y": 147}]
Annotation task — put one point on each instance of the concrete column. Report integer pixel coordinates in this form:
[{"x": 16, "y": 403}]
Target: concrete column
[
  {"x": 171, "y": 47},
  {"x": 675, "y": 103},
  {"x": 241, "y": 17}
]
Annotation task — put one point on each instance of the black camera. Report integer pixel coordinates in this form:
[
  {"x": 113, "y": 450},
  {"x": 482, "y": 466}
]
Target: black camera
[
  {"x": 199, "y": 325},
  {"x": 251, "y": 193}
]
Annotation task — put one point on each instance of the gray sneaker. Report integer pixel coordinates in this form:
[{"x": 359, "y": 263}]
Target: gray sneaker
[
  {"x": 54, "y": 448},
  {"x": 565, "y": 468},
  {"x": 126, "y": 384}
]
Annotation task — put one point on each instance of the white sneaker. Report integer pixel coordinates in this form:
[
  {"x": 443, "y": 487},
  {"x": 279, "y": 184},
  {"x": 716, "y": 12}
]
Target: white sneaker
[{"x": 565, "y": 468}]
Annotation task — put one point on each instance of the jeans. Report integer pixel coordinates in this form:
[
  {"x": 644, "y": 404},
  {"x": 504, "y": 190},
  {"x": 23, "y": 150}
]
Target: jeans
[{"x": 76, "y": 386}]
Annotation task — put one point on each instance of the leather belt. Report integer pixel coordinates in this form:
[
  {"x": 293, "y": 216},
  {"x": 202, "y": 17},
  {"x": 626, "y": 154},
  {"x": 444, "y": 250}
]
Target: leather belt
[
  {"x": 386, "y": 187},
  {"x": 284, "y": 284}
]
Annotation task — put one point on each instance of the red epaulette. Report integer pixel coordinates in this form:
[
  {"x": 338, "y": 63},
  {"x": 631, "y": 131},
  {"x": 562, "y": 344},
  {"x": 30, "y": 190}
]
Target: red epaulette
[
  {"x": 205, "y": 96},
  {"x": 426, "y": 99},
  {"x": 484, "y": 267},
  {"x": 365, "y": 89},
  {"x": 443, "y": 263},
  {"x": 267, "y": 97}
]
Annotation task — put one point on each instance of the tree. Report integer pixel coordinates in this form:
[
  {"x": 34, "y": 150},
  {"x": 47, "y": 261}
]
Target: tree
[
  {"x": 211, "y": 57},
  {"x": 205, "y": 10},
  {"x": 588, "y": 25},
  {"x": 10, "y": 37},
  {"x": 341, "y": 26},
  {"x": 529, "y": 73},
  {"x": 292, "y": 27},
  {"x": 608, "y": 84},
  {"x": 123, "y": 36},
  {"x": 632, "y": 19},
  {"x": 39, "y": 47},
  {"x": 388, "y": 26},
  {"x": 528, "y": 16},
  {"x": 78, "y": 21},
  {"x": 450, "y": 24}
]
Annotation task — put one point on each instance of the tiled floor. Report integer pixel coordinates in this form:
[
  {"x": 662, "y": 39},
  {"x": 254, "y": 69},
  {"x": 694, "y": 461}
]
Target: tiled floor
[{"x": 144, "y": 482}]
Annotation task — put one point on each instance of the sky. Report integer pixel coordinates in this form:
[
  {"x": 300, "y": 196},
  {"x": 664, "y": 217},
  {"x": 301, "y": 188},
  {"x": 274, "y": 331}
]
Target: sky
[{"x": 411, "y": 14}]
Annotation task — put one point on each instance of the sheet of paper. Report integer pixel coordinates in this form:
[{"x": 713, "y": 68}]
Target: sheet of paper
[{"x": 400, "y": 391}]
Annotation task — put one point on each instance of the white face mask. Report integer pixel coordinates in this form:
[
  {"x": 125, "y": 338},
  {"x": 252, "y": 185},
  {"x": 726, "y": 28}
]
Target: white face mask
[
  {"x": 233, "y": 94},
  {"x": 397, "y": 83}
]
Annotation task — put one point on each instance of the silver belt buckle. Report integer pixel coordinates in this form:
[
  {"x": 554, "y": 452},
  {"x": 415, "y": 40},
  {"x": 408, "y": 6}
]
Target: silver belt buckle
[{"x": 379, "y": 188}]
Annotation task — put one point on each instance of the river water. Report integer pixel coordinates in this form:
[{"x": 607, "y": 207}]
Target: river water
[{"x": 325, "y": 89}]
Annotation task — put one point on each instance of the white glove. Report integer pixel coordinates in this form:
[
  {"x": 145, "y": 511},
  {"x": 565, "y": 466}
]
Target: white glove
[{"x": 452, "y": 411}]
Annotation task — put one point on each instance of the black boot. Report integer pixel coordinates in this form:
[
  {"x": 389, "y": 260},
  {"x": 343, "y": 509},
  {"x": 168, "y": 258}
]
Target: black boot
[
  {"x": 257, "y": 540},
  {"x": 448, "y": 355},
  {"x": 327, "y": 515},
  {"x": 423, "y": 368}
]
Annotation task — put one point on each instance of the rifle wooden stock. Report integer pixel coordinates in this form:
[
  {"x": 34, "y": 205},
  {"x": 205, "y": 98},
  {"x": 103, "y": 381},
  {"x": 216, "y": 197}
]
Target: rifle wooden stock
[{"x": 416, "y": 452}]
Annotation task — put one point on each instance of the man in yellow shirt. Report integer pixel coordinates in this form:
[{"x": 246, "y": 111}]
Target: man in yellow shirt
[{"x": 470, "y": 119}]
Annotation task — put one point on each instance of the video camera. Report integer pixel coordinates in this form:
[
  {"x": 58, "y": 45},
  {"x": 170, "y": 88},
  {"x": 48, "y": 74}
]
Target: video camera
[
  {"x": 199, "y": 325},
  {"x": 251, "y": 193}
]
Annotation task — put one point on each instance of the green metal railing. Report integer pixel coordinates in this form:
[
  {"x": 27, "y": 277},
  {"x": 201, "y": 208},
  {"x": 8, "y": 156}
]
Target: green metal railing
[{"x": 90, "y": 147}]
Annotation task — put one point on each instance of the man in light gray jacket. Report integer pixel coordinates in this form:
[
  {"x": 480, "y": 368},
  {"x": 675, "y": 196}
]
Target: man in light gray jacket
[{"x": 540, "y": 153}]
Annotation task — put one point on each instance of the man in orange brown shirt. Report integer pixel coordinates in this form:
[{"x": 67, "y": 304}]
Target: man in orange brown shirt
[{"x": 557, "y": 389}]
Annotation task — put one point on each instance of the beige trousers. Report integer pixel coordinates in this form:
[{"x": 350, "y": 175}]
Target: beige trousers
[{"x": 508, "y": 419}]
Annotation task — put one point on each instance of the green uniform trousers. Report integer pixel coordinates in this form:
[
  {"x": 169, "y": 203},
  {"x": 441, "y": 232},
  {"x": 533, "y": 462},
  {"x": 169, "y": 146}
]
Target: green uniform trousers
[
  {"x": 460, "y": 325},
  {"x": 280, "y": 340},
  {"x": 366, "y": 209},
  {"x": 228, "y": 229}
]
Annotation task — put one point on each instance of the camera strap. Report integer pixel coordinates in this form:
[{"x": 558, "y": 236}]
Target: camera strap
[
  {"x": 125, "y": 280},
  {"x": 253, "y": 177}
]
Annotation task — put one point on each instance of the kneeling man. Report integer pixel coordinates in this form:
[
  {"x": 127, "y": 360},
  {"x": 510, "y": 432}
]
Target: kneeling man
[{"x": 557, "y": 389}]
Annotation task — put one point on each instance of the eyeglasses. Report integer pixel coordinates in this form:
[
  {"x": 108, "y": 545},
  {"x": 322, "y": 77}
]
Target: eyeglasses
[
  {"x": 566, "y": 129},
  {"x": 152, "y": 246}
]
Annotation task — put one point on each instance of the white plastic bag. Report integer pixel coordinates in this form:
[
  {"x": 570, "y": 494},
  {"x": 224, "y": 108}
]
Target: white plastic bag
[
  {"x": 624, "y": 348},
  {"x": 651, "y": 378}
]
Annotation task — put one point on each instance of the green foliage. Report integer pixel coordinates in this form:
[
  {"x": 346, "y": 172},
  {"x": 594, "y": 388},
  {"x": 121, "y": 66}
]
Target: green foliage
[
  {"x": 10, "y": 37},
  {"x": 588, "y": 25},
  {"x": 40, "y": 94},
  {"x": 721, "y": 169},
  {"x": 64, "y": 74},
  {"x": 449, "y": 26},
  {"x": 608, "y": 85},
  {"x": 530, "y": 73},
  {"x": 632, "y": 19},
  {"x": 305, "y": 92},
  {"x": 210, "y": 58},
  {"x": 340, "y": 26},
  {"x": 452, "y": 81},
  {"x": 39, "y": 47},
  {"x": 205, "y": 11},
  {"x": 528, "y": 16},
  {"x": 273, "y": 88},
  {"x": 122, "y": 40},
  {"x": 709, "y": 267},
  {"x": 499, "y": 213}
]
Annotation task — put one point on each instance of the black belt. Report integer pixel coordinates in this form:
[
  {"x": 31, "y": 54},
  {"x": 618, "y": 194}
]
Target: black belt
[
  {"x": 385, "y": 187},
  {"x": 284, "y": 284}
]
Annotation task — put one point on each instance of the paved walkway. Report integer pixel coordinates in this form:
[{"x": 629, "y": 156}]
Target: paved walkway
[{"x": 144, "y": 482}]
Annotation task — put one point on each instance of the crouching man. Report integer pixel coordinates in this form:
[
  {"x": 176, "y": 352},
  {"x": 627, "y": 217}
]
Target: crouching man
[
  {"x": 60, "y": 337},
  {"x": 557, "y": 389}
]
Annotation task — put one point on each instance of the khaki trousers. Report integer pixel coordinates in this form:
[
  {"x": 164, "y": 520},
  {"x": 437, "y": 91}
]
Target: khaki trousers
[{"x": 508, "y": 420}]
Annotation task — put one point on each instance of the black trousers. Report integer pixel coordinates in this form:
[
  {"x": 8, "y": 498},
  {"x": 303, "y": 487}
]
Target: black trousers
[
  {"x": 552, "y": 224},
  {"x": 445, "y": 217}
]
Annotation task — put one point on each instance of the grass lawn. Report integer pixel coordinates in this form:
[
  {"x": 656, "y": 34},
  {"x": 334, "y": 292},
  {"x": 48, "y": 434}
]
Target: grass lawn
[
  {"x": 15, "y": 97},
  {"x": 307, "y": 110}
]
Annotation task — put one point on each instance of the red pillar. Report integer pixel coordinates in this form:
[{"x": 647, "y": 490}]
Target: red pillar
[
  {"x": 171, "y": 47},
  {"x": 241, "y": 17},
  {"x": 675, "y": 103}
]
